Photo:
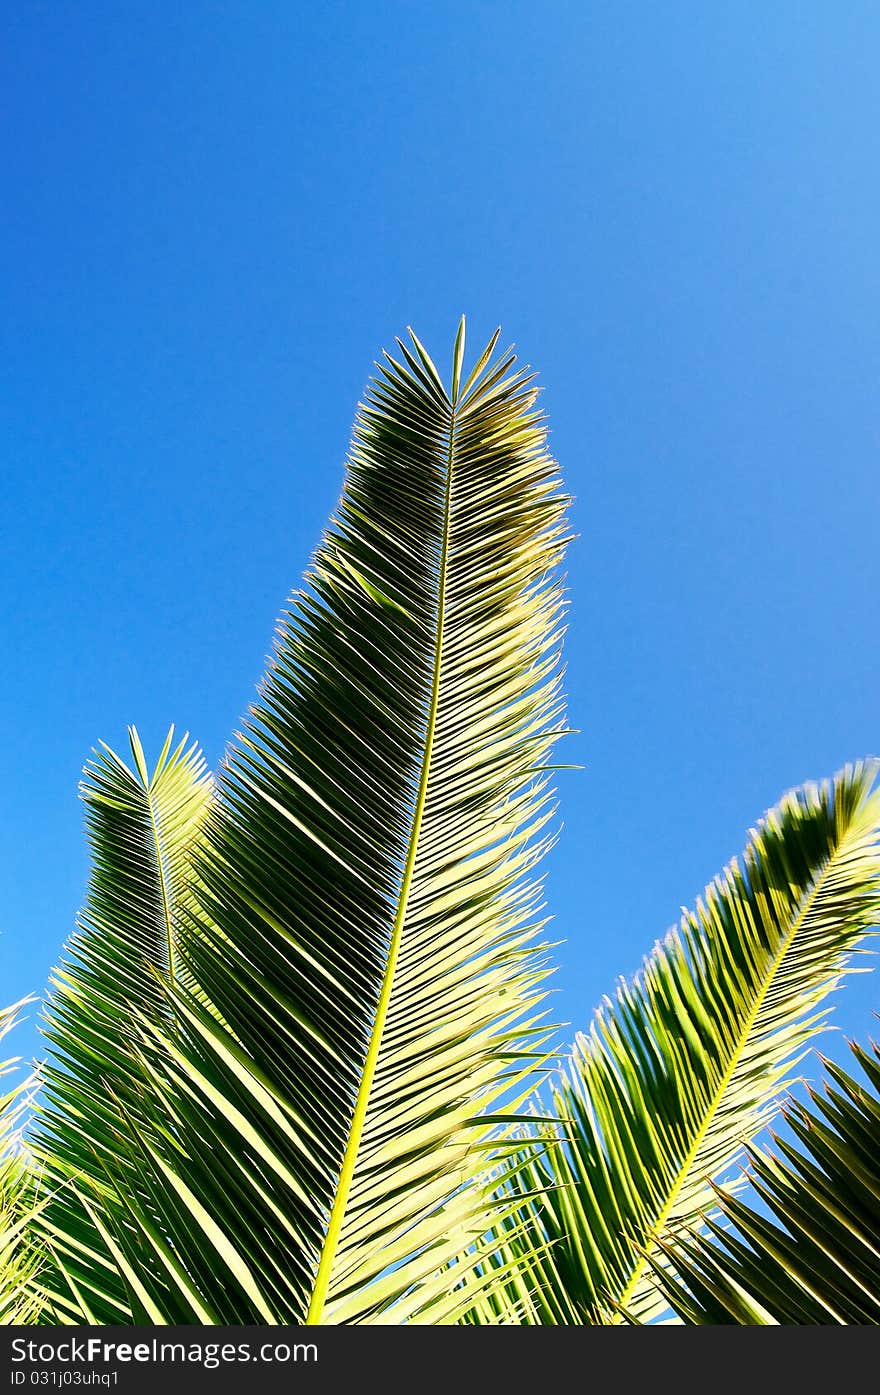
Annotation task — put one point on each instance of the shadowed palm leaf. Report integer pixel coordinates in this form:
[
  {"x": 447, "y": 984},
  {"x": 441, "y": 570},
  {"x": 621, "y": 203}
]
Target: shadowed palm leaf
[
  {"x": 822, "y": 1264},
  {"x": 142, "y": 828},
  {"x": 689, "y": 1060}
]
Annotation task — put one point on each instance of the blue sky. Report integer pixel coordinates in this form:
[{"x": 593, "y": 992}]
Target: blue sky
[{"x": 216, "y": 215}]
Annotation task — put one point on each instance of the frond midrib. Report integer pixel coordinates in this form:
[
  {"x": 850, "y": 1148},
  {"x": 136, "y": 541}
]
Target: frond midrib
[
  {"x": 346, "y": 1176},
  {"x": 163, "y": 880}
]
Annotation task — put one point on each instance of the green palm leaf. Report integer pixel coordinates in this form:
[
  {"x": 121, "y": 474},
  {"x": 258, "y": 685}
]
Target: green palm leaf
[
  {"x": 142, "y": 827},
  {"x": 20, "y": 1256},
  {"x": 821, "y": 1265},
  {"x": 369, "y": 918},
  {"x": 688, "y": 1061}
]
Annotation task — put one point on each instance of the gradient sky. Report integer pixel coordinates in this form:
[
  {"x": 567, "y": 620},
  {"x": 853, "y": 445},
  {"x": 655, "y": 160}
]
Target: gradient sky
[{"x": 215, "y": 215}]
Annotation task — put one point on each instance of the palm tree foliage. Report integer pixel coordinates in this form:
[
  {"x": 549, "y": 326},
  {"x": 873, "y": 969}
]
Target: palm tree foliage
[
  {"x": 292, "y": 1041},
  {"x": 822, "y": 1263},
  {"x": 142, "y": 827},
  {"x": 19, "y": 1253},
  {"x": 689, "y": 1060},
  {"x": 360, "y": 905}
]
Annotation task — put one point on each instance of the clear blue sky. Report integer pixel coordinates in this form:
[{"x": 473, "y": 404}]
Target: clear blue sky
[{"x": 214, "y": 217}]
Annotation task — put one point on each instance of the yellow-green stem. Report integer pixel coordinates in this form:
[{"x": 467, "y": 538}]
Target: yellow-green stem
[
  {"x": 163, "y": 884},
  {"x": 337, "y": 1214}
]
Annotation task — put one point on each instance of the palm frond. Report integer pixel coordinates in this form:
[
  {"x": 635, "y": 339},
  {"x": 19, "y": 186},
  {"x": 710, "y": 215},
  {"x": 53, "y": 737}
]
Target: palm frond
[
  {"x": 20, "y": 1255},
  {"x": 370, "y": 918},
  {"x": 688, "y": 1061},
  {"x": 813, "y": 1255},
  {"x": 142, "y": 828}
]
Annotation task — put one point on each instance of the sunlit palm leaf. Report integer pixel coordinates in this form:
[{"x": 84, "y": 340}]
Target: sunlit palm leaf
[
  {"x": 689, "y": 1060},
  {"x": 142, "y": 827},
  {"x": 322, "y": 1153},
  {"x": 19, "y": 1252},
  {"x": 822, "y": 1264}
]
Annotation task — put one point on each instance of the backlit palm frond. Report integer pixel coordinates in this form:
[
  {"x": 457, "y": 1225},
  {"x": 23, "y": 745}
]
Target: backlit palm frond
[
  {"x": 813, "y": 1256},
  {"x": 688, "y": 1061},
  {"x": 371, "y": 917},
  {"x": 19, "y": 1251}
]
